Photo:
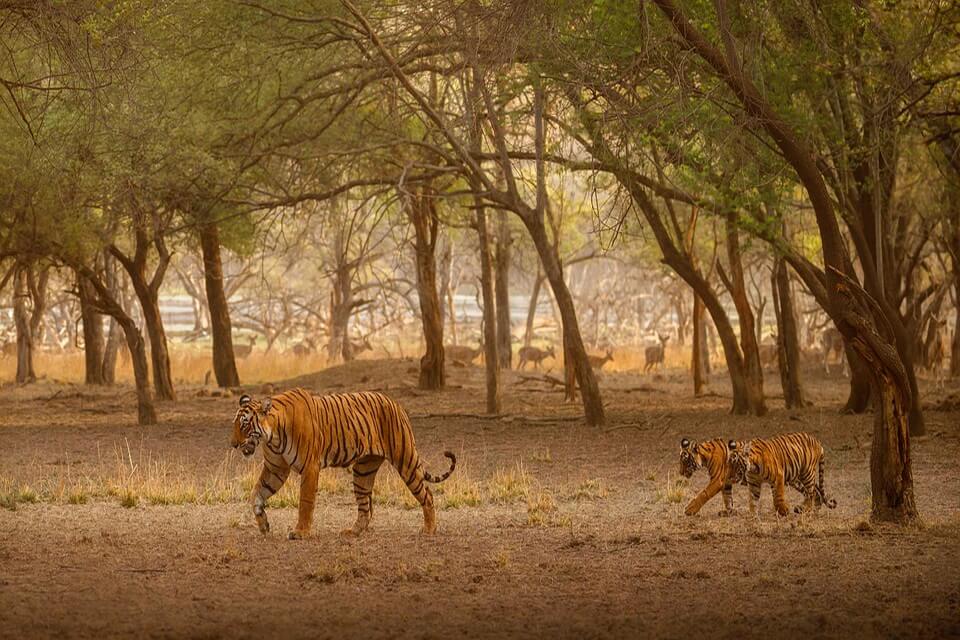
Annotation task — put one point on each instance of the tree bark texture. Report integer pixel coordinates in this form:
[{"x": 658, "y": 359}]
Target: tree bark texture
[{"x": 221, "y": 331}]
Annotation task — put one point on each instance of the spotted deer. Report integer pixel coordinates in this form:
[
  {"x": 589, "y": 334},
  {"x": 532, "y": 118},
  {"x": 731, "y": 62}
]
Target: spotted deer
[
  {"x": 832, "y": 343},
  {"x": 597, "y": 362},
  {"x": 243, "y": 350},
  {"x": 534, "y": 355},
  {"x": 654, "y": 355},
  {"x": 462, "y": 353}
]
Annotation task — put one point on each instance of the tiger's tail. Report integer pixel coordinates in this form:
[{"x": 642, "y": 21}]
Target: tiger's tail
[
  {"x": 821, "y": 492},
  {"x": 441, "y": 478}
]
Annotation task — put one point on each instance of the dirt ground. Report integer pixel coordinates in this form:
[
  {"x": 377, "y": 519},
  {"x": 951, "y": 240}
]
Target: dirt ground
[{"x": 549, "y": 528}]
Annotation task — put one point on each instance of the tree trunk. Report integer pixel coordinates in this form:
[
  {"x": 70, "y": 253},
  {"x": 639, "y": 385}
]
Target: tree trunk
[
  {"x": 490, "y": 348},
  {"x": 532, "y": 308},
  {"x": 93, "y": 346},
  {"x": 699, "y": 353},
  {"x": 572, "y": 340},
  {"x": 422, "y": 212},
  {"x": 21, "y": 318},
  {"x": 148, "y": 293},
  {"x": 753, "y": 370},
  {"x": 449, "y": 311},
  {"x": 788, "y": 342},
  {"x": 502, "y": 270},
  {"x": 114, "y": 337},
  {"x": 110, "y": 304},
  {"x": 159, "y": 354},
  {"x": 224, "y": 363}
]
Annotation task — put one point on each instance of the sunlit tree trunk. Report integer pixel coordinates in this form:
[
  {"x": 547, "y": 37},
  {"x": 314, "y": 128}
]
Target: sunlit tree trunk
[{"x": 490, "y": 347}]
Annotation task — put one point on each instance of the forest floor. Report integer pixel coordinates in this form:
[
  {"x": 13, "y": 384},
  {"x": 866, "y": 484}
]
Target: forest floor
[{"x": 548, "y": 528}]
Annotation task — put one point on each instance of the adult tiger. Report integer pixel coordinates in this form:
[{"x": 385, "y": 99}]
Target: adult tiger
[
  {"x": 790, "y": 459},
  {"x": 714, "y": 455},
  {"x": 304, "y": 432}
]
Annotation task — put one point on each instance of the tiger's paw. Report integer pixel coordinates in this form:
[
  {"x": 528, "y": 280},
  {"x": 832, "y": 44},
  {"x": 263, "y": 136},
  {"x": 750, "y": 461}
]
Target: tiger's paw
[
  {"x": 690, "y": 511},
  {"x": 726, "y": 513},
  {"x": 297, "y": 534}
]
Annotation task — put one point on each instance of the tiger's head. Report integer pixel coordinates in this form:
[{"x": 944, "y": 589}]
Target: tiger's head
[
  {"x": 248, "y": 424},
  {"x": 739, "y": 462},
  {"x": 690, "y": 458}
]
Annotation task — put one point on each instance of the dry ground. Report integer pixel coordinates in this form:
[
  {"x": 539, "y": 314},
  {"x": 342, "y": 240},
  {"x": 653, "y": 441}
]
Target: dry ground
[{"x": 547, "y": 529}]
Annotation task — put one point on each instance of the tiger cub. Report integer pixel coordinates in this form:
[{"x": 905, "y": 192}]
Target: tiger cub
[
  {"x": 714, "y": 455},
  {"x": 790, "y": 459}
]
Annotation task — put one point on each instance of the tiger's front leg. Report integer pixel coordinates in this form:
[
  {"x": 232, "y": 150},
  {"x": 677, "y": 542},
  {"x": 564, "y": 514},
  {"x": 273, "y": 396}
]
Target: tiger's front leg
[
  {"x": 755, "y": 485},
  {"x": 701, "y": 499},
  {"x": 308, "y": 499},
  {"x": 779, "y": 497},
  {"x": 271, "y": 480}
]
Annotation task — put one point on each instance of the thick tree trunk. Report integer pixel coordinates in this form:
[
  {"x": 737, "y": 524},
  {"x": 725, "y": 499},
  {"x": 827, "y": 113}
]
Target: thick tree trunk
[
  {"x": 572, "y": 340},
  {"x": 93, "y": 344},
  {"x": 21, "y": 318},
  {"x": 491, "y": 358},
  {"x": 423, "y": 216},
  {"x": 753, "y": 370},
  {"x": 224, "y": 362},
  {"x": 532, "y": 309},
  {"x": 788, "y": 342},
  {"x": 502, "y": 268}
]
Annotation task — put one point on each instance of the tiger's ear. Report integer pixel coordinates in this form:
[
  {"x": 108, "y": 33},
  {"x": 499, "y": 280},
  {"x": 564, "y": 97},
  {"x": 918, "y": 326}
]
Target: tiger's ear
[
  {"x": 244, "y": 400},
  {"x": 685, "y": 444},
  {"x": 265, "y": 406}
]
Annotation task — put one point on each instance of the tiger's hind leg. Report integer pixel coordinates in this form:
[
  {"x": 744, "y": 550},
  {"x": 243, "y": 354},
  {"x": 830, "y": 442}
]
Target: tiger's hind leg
[
  {"x": 364, "y": 475},
  {"x": 418, "y": 487}
]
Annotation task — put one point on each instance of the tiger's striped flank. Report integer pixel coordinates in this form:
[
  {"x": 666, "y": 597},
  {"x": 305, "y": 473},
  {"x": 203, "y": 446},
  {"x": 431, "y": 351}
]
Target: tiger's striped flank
[{"x": 306, "y": 433}]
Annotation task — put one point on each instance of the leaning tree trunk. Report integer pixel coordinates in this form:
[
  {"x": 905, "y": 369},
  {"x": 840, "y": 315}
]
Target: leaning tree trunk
[
  {"x": 491, "y": 358},
  {"x": 93, "y": 345},
  {"x": 21, "y": 318},
  {"x": 421, "y": 208},
  {"x": 224, "y": 363},
  {"x": 788, "y": 342},
  {"x": 502, "y": 270},
  {"x": 572, "y": 340}
]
